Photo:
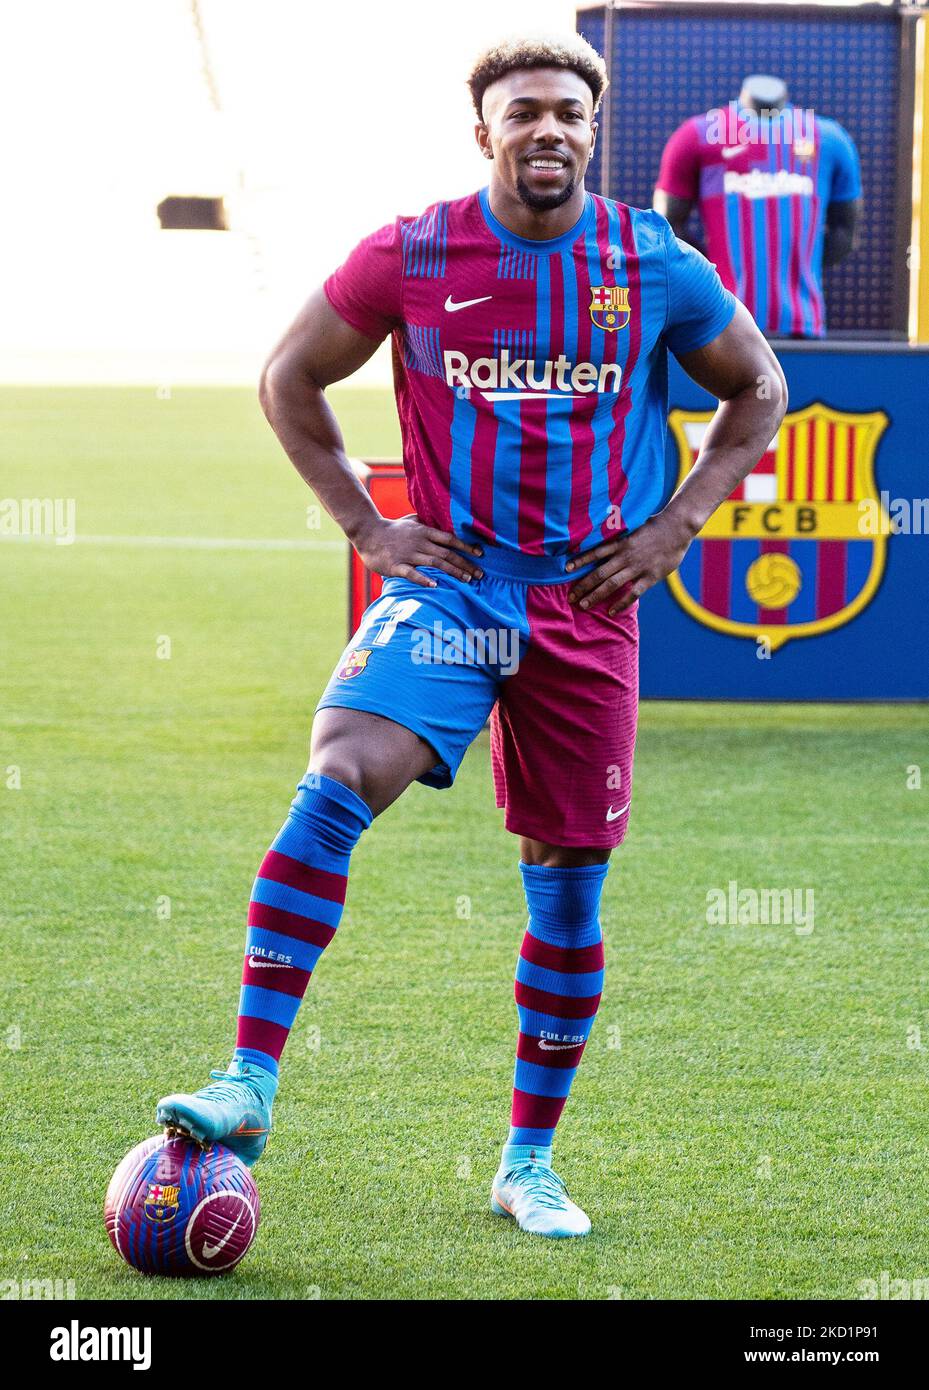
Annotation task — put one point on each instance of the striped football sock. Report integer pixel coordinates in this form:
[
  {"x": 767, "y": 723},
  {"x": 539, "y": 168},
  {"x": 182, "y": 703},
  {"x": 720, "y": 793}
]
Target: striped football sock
[
  {"x": 559, "y": 977},
  {"x": 295, "y": 908}
]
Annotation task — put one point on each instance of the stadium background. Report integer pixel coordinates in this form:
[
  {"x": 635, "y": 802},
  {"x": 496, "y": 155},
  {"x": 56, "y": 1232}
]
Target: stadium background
[{"x": 748, "y": 1122}]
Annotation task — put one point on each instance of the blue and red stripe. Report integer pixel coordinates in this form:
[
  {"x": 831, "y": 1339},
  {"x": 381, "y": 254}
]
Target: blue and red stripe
[
  {"x": 296, "y": 905},
  {"x": 559, "y": 981}
]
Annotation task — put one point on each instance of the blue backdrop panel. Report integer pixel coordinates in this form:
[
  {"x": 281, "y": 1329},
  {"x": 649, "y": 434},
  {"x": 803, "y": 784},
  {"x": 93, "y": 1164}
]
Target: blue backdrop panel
[
  {"x": 665, "y": 67},
  {"x": 880, "y": 654}
]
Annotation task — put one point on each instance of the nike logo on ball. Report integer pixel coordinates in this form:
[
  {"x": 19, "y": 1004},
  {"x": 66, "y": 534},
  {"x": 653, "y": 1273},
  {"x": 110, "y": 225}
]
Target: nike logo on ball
[
  {"x": 453, "y": 308},
  {"x": 210, "y": 1250},
  {"x": 615, "y": 815}
]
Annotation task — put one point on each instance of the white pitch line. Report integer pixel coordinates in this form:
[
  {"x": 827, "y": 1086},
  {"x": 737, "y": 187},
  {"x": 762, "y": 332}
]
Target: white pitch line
[{"x": 185, "y": 542}]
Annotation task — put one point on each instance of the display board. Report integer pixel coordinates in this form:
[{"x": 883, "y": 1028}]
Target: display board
[
  {"x": 812, "y": 582},
  {"x": 668, "y": 62}
]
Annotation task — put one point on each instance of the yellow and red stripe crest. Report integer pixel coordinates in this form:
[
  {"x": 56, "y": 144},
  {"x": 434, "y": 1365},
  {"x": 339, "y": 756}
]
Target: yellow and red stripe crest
[
  {"x": 609, "y": 307},
  {"x": 354, "y": 663},
  {"x": 799, "y": 546}
]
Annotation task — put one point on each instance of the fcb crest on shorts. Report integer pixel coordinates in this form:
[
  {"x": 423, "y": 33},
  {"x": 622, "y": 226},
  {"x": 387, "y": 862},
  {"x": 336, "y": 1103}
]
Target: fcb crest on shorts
[
  {"x": 354, "y": 663},
  {"x": 799, "y": 547},
  {"x": 609, "y": 307}
]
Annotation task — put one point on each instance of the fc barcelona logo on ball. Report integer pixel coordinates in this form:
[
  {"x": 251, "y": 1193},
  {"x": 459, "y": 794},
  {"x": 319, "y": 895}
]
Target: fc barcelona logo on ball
[
  {"x": 354, "y": 663},
  {"x": 789, "y": 554},
  {"x": 609, "y": 307},
  {"x": 162, "y": 1203}
]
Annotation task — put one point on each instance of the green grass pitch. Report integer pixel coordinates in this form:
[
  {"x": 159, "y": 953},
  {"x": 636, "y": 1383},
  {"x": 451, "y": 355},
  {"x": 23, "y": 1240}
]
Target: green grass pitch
[{"x": 750, "y": 1118}]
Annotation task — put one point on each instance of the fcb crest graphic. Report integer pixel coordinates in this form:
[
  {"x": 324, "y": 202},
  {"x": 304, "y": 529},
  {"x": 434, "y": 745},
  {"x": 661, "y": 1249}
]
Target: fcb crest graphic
[
  {"x": 354, "y": 663},
  {"x": 162, "y": 1203},
  {"x": 609, "y": 307},
  {"x": 790, "y": 552}
]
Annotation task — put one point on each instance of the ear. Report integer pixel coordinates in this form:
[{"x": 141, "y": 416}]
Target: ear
[
  {"x": 482, "y": 135},
  {"x": 594, "y": 127}
]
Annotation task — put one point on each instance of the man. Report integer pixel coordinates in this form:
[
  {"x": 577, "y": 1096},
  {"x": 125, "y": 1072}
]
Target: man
[
  {"x": 780, "y": 195},
  {"x": 530, "y": 323}
]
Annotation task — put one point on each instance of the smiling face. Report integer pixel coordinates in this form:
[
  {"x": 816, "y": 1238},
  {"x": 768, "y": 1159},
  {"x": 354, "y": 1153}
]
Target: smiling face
[{"x": 538, "y": 127}]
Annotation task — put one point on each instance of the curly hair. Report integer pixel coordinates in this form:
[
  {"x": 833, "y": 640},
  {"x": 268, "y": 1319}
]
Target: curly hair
[{"x": 570, "y": 51}]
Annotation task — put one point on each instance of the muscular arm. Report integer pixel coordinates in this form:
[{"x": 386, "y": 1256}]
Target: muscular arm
[
  {"x": 739, "y": 368},
  {"x": 741, "y": 371},
  {"x": 318, "y": 349}
]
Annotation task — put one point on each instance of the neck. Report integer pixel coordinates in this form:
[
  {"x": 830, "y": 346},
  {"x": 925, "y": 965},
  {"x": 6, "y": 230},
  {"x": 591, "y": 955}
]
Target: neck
[
  {"x": 527, "y": 222},
  {"x": 762, "y": 108}
]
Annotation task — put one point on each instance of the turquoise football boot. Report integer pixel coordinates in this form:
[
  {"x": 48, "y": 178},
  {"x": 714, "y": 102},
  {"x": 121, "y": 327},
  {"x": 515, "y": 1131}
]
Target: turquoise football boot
[
  {"x": 235, "y": 1110},
  {"x": 537, "y": 1200}
]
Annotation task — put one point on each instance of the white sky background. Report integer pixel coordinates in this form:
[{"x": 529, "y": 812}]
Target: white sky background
[
  {"x": 335, "y": 117},
  {"x": 339, "y": 116}
]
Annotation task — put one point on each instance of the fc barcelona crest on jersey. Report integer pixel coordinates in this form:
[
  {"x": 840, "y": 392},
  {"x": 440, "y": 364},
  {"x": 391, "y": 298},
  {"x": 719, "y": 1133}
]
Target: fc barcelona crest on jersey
[
  {"x": 609, "y": 307},
  {"x": 789, "y": 553},
  {"x": 354, "y": 663}
]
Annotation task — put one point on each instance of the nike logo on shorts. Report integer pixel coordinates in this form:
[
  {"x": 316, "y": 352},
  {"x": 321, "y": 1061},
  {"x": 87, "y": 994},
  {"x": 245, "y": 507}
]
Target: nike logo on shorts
[{"x": 615, "y": 815}]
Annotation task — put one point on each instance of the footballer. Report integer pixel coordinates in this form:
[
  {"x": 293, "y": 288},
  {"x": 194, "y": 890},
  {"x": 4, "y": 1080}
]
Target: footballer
[{"x": 530, "y": 324}]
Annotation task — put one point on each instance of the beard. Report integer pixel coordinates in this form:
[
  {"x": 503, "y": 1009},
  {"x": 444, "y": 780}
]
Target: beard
[{"x": 543, "y": 202}]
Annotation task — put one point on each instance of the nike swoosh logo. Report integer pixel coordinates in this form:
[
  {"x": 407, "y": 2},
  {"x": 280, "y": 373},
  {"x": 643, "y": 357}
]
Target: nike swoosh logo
[
  {"x": 500, "y": 1202},
  {"x": 615, "y": 815},
  {"x": 210, "y": 1250},
  {"x": 267, "y": 964},
  {"x": 242, "y": 1130},
  {"x": 556, "y": 1047},
  {"x": 453, "y": 308},
  {"x": 731, "y": 151}
]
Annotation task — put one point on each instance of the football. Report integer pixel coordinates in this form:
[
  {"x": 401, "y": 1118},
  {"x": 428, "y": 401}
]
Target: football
[{"x": 174, "y": 1208}]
